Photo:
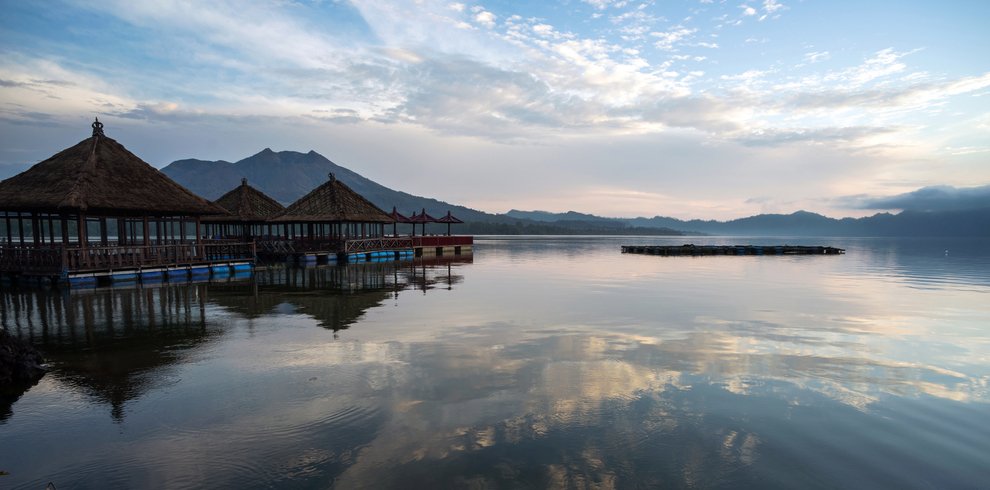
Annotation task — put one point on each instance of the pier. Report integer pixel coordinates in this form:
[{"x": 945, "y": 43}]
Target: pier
[
  {"x": 97, "y": 214},
  {"x": 693, "y": 250}
]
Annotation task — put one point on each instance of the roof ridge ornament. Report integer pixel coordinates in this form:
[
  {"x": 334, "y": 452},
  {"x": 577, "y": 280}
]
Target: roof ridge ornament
[
  {"x": 97, "y": 127},
  {"x": 332, "y": 176}
]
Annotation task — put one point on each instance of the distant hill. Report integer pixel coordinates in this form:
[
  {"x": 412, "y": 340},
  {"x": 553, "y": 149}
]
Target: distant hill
[
  {"x": 971, "y": 222},
  {"x": 288, "y": 175}
]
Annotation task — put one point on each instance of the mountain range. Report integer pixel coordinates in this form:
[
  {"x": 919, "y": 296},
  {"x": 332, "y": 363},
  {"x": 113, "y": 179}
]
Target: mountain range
[{"x": 288, "y": 175}]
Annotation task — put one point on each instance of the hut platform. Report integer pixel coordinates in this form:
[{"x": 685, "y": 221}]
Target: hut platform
[
  {"x": 100, "y": 265},
  {"x": 691, "y": 249},
  {"x": 306, "y": 251}
]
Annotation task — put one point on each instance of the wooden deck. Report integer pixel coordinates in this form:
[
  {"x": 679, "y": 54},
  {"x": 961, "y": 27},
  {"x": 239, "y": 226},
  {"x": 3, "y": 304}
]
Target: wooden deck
[
  {"x": 690, "y": 249},
  {"x": 65, "y": 262},
  {"x": 342, "y": 249}
]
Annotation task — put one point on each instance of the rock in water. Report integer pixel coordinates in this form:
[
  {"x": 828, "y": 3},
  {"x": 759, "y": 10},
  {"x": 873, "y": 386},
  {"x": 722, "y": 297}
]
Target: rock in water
[{"x": 20, "y": 362}]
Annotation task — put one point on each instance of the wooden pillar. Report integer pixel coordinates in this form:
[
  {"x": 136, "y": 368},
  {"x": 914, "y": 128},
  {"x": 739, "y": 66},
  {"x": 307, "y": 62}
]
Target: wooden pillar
[
  {"x": 51, "y": 230},
  {"x": 103, "y": 231},
  {"x": 182, "y": 231},
  {"x": 20, "y": 227},
  {"x": 158, "y": 231},
  {"x": 83, "y": 239},
  {"x": 10, "y": 233},
  {"x": 145, "y": 232},
  {"x": 35, "y": 236},
  {"x": 65, "y": 230},
  {"x": 199, "y": 223}
]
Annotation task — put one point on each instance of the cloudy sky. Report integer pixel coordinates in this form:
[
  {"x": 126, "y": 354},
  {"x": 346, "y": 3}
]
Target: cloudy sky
[{"x": 683, "y": 108}]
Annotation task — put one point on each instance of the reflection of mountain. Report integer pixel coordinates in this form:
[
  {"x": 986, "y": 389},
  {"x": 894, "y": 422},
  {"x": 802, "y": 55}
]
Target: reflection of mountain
[{"x": 113, "y": 344}]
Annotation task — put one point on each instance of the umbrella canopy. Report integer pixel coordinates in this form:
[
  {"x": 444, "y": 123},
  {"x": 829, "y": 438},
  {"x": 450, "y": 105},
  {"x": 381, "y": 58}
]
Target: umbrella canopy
[
  {"x": 421, "y": 218},
  {"x": 449, "y": 218}
]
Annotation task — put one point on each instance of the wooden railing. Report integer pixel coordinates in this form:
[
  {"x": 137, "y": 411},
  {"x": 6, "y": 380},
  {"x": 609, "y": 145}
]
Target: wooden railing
[
  {"x": 377, "y": 243},
  {"x": 56, "y": 260},
  {"x": 442, "y": 240}
]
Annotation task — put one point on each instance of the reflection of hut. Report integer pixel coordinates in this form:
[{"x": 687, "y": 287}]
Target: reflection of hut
[
  {"x": 113, "y": 344},
  {"x": 250, "y": 210},
  {"x": 330, "y": 215},
  {"x": 96, "y": 206}
]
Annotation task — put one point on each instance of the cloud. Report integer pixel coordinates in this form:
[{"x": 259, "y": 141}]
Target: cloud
[
  {"x": 667, "y": 40},
  {"x": 772, "y": 137},
  {"x": 485, "y": 18},
  {"x": 932, "y": 198}
]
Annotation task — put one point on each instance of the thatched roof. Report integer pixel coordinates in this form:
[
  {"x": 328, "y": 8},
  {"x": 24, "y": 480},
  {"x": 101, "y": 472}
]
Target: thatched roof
[
  {"x": 334, "y": 202},
  {"x": 245, "y": 203},
  {"x": 99, "y": 176}
]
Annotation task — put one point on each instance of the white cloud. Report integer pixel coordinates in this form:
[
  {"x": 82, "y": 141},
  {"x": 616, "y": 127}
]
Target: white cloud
[
  {"x": 485, "y": 18},
  {"x": 667, "y": 41},
  {"x": 747, "y": 10}
]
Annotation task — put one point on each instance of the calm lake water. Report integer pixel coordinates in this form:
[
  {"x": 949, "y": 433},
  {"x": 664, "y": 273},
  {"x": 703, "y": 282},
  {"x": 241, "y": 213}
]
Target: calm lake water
[{"x": 540, "y": 362}]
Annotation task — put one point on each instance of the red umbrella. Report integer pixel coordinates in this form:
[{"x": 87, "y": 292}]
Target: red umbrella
[
  {"x": 423, "y": 218},
  {"x": 449, "y": 219},
  {"x": 397, "y": 218}
]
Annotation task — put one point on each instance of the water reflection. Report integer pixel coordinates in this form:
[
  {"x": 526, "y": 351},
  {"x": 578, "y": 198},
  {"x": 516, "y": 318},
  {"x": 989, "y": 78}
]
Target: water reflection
[
  {"x": 115, "y": 344},
  {"x": 554, "y": 363}
]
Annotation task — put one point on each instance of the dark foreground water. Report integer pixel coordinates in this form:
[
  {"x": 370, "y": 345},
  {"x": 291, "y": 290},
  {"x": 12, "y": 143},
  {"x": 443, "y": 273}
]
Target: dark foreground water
[{"x": 535, "y": 363}]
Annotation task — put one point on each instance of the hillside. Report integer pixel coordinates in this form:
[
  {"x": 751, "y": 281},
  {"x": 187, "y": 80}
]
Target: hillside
[
  {"x": 288, "y": 175},
  {"x": 965, "y": 222}
]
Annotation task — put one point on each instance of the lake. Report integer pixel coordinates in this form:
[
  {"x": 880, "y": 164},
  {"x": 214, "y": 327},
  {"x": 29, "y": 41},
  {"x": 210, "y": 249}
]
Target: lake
[{"x": 537, "y": 362}]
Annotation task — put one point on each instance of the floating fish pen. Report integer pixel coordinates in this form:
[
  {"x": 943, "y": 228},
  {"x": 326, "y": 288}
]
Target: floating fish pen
[{"x": 690, "y": 249}]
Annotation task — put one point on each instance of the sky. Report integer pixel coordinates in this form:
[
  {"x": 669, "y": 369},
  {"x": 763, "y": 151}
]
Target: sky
[{"x": 681, "y": 108}]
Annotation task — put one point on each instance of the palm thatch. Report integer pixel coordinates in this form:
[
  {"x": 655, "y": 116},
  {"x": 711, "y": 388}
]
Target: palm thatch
[
  {"x": 99, "y": 176},
  {"x": 247, "y": 204},
  {"x": 334, "y": 202}
]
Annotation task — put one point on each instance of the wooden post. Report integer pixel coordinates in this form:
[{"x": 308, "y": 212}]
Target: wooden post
[
  {"x": 35, "y": 236},
  {"x": 20, "y": 227},
  {"x": 10, "y": 233},
  {"x": 51, "y": 230},
  {"x": 83, "y": 239},
  {"x": 103, "y": 231},
  {"x": 65, "y": 230}
]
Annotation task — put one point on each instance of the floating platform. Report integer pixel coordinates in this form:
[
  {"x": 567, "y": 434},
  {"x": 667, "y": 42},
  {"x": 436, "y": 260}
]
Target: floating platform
[{"x": 690, "y": 249}]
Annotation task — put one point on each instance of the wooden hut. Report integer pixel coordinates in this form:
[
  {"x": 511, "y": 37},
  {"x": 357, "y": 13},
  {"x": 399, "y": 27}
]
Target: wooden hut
[
  {"x": 334, "y": 218},
  {"x": 96, "y": 207},
  {"x": 249, "y": 213}
]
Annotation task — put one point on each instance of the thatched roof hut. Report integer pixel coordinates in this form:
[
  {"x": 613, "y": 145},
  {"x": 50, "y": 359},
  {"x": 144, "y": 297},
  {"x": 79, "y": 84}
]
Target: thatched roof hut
[
  {"x": 333, "y": 202},
  {"x": 98, "y": 176},
  {"x": 247, "y": 204}
]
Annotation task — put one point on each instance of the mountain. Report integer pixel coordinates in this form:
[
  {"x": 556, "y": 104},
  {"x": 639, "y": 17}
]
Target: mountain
[
  {"x": 288, "y": 175},
  {"x": 966, "y": 222}
]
